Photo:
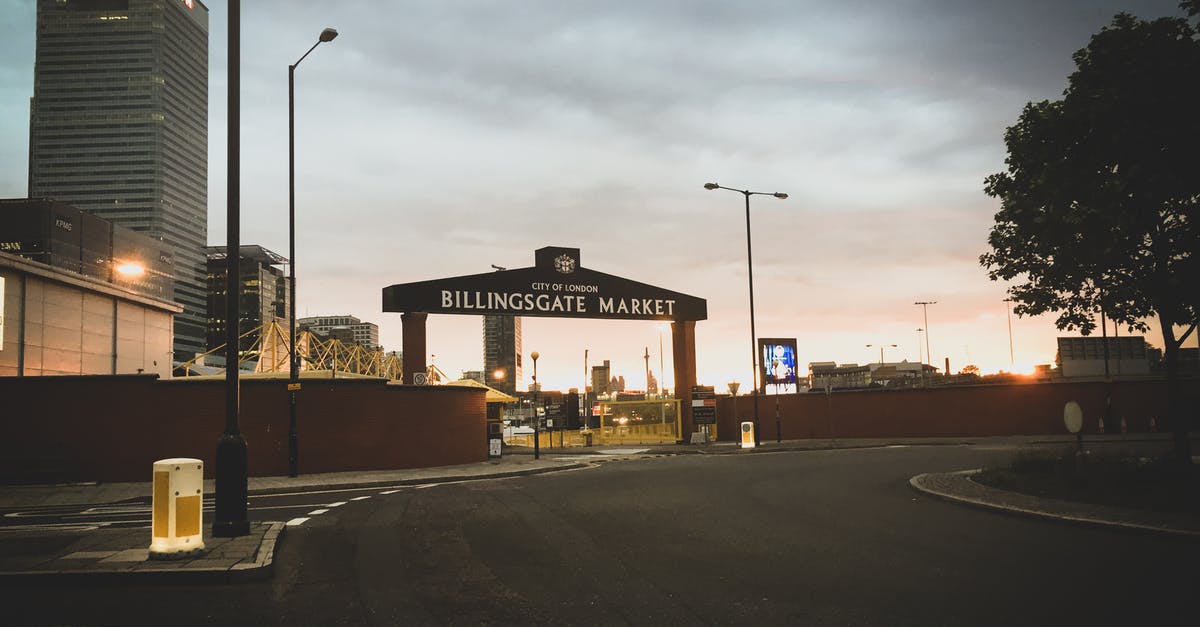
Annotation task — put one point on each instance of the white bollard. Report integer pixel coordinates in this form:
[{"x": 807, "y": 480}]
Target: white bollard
[
  {"x": 176, "y": 509},
  {"x": 747, "y": 435}
]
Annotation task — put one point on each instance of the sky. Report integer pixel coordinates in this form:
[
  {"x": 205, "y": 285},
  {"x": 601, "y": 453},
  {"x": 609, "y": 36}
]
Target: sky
[{"x": 434, "y": 139}]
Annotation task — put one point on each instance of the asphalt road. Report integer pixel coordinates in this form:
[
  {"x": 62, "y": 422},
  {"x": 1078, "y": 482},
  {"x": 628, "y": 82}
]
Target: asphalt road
[{"x": 805, "y": 538}]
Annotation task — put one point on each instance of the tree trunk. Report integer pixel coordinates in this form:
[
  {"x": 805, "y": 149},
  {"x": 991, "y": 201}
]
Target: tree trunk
[{"x": 1179, "y": 419}]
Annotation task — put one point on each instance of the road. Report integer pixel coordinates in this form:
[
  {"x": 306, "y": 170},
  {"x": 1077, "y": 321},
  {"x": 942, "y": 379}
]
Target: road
[{"x": 803, "y": 538}]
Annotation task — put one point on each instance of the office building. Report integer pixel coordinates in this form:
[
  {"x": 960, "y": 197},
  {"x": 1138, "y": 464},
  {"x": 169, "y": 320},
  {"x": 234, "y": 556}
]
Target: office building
[
  {"x": 264, "y": 294},
  {"x": 55, "y": 321},
  {"x": 345, "y": 328},
  {"x": 502, "y": 353},
  {"x": 59, "y": 235},
  {"x": 1086, "y": 356},
  {"x": 119, "y": 128},
  {"x": 600, "y": 379}
]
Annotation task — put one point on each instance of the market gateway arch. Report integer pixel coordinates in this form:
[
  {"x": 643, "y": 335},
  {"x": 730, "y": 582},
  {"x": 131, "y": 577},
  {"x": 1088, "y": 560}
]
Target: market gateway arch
[{"x": 557, "y": 286}]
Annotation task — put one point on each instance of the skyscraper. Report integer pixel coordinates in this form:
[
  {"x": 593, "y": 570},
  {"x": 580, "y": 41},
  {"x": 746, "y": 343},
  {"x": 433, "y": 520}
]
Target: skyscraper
[
  {"x": 119, "y": 128},
  {"x": 502, "y": 352}
]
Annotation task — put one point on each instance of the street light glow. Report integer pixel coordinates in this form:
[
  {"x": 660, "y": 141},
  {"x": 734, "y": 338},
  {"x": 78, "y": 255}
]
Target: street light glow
[{"x": 130, "y": 269}]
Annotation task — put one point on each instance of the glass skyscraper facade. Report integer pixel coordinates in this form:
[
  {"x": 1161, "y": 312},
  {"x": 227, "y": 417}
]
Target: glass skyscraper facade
[
  {"x": 119, "y": 128},
  {"x": 502, "y": 353}
]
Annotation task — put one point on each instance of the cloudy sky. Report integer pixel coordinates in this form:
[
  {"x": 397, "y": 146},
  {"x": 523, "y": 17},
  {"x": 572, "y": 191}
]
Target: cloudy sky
[{"x": 437, "y": 138}]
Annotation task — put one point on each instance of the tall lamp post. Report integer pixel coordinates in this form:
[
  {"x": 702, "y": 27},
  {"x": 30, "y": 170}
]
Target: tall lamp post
[
  {"x": 535, "y": 356},
  {"x": 293, "y": 355},
  {"x": 920, "y": 355},
  {"x": 750, "y": 275},
  {"x": 925, "y": 308},
  {"x": 881, "y": 347},
  {"x": 1012, "y": 359},
  {"x": 230, "y": 518}
]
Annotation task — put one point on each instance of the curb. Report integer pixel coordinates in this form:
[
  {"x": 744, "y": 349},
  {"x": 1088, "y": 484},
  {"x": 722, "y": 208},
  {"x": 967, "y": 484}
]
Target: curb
[
  {"x": 992, "y": 498},
  {"x": 263, "y": 567}
]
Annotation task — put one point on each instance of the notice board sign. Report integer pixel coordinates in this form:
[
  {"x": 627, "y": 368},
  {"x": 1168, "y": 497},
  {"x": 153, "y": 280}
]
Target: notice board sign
[{"x": 704, "y": 405}]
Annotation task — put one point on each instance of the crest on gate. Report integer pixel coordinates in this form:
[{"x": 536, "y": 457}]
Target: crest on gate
[{"x": 565, "y": 264}]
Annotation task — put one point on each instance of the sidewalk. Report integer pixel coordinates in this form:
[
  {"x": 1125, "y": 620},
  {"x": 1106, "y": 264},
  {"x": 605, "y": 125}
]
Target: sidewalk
[{"x": 123, "y": 552}]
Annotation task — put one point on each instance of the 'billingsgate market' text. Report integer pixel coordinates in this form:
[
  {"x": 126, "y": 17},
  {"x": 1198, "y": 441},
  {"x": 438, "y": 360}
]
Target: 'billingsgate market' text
[{"x": 519, "y": 301}]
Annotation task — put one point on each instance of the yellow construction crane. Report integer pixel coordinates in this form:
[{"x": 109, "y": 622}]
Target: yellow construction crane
[{"x": 270, "y": 352}]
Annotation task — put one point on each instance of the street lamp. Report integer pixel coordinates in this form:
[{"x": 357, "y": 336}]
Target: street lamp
[
  {"x": 750, "y": 276},
  {"x": 293, "y": 355},
  {"x": 925, "y": 308},
  {"x": 881, "y": 347},
  {"x": 230, "y": 516},
  {"x": 535, "y": 356},
  {"x": 1012, "y": 360},
  {"x": 920, "y": 355}
]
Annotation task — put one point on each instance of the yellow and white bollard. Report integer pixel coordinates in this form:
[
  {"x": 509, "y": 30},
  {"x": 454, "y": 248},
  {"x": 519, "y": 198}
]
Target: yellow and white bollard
[
  {"x": 177, "y": 527},
  {"x": 747, "y": 435}
]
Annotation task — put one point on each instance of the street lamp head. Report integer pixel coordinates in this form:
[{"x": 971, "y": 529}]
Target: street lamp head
[
  {"x": 534, "y": 355},
  {"x": 780, "y": 195},
  {"x": 328, "y": 34},
  {"x": 711, "y": 186}
]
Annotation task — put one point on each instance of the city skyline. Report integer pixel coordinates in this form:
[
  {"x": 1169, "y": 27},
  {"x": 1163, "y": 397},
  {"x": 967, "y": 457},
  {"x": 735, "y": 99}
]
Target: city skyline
[{"x": 597, "y": 127}]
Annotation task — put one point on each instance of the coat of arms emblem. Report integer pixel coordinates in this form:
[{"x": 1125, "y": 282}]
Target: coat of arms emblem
[{"x": 565, "y": 264}]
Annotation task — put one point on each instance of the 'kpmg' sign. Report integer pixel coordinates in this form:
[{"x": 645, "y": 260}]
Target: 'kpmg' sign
[{"x": 556, "y": 286}]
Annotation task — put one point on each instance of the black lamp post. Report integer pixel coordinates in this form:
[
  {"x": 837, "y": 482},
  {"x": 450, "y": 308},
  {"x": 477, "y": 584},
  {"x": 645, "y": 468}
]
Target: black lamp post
[
  {"x": 925, "y": 310},
  {"x": 881, "y": 347},
  {"x": 230, "y": 518},
  {"x": 750, "y": 273},
  {"x": 293, "y": 355},
  {"x": 536, "y": 419}
]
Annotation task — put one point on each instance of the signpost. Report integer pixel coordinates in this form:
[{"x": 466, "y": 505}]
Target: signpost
[
  {"x": 704, "y": 407},
  {"x": 1073, "y": 419}
]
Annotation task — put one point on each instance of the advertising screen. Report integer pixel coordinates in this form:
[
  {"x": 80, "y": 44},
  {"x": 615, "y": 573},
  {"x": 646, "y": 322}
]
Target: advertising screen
[{"x": 777, "y": 365}]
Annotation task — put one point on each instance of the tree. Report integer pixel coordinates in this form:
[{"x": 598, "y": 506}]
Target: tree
[{"x": 1099, "y": 203}]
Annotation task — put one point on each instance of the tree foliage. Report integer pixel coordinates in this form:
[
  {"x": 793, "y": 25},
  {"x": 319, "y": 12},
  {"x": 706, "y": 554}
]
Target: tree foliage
[
  {"x": 1099, "y": 202},
  {"x": 1101, "y": 196}
]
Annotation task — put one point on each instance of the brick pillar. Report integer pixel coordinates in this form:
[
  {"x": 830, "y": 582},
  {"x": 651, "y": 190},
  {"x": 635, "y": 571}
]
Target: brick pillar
[
  {"x": 683, "y": 350},
  {"x": 413, "y": 344}
]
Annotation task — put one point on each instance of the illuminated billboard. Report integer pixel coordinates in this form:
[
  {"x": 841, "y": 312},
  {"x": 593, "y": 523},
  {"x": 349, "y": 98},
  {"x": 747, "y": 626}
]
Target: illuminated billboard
[{"x": 777, "y": 365}]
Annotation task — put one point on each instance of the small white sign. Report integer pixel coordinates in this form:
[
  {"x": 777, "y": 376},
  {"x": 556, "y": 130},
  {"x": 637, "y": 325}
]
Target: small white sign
[
  {"x": 494, "y": 447},
  {"x": 1073, "y": 417}
]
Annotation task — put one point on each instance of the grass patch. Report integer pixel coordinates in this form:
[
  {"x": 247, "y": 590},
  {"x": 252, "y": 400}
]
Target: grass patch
[{"x": 1147, "y": 483}]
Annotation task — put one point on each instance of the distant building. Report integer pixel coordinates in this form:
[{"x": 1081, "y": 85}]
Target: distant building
[
  {"x": 828, "y": 374},
  {"x": 899, "y": 374},
  {"x": 502, "y": 353},
  {"x": 263, "y": 297},
  {"x": 474, "y": 375},
  {"x": 1085, "y": 356},
  {"x": 346, "y": 328},
  {"x": 600, "y": 378},
  {"x": 118, "y": 127},
  {"x": 55, "y": 321}
]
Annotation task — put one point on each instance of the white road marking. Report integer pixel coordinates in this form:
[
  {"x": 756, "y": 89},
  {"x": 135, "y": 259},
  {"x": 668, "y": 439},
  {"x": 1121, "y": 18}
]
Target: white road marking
[
  {"x": 389, "y": 492},
  {"x": 338, "y": 504},
  {"x": 317, "y": 512},
  {"x": 54, "y": 527},
  {"x": 427, "y": 485},
  {"x": 360, "y": 498},
  {"x": 296, "y": 522}
]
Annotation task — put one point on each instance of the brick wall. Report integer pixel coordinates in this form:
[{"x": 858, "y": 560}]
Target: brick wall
[
  {"x": 113, "y": 428},
  {"x": 967, "y": 411}
]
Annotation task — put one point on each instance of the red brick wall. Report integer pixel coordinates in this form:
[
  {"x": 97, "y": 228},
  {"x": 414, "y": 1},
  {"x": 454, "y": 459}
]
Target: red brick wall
[
  {"x": 113, "y": 428},
  {"x": 968, "y": 411}
]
